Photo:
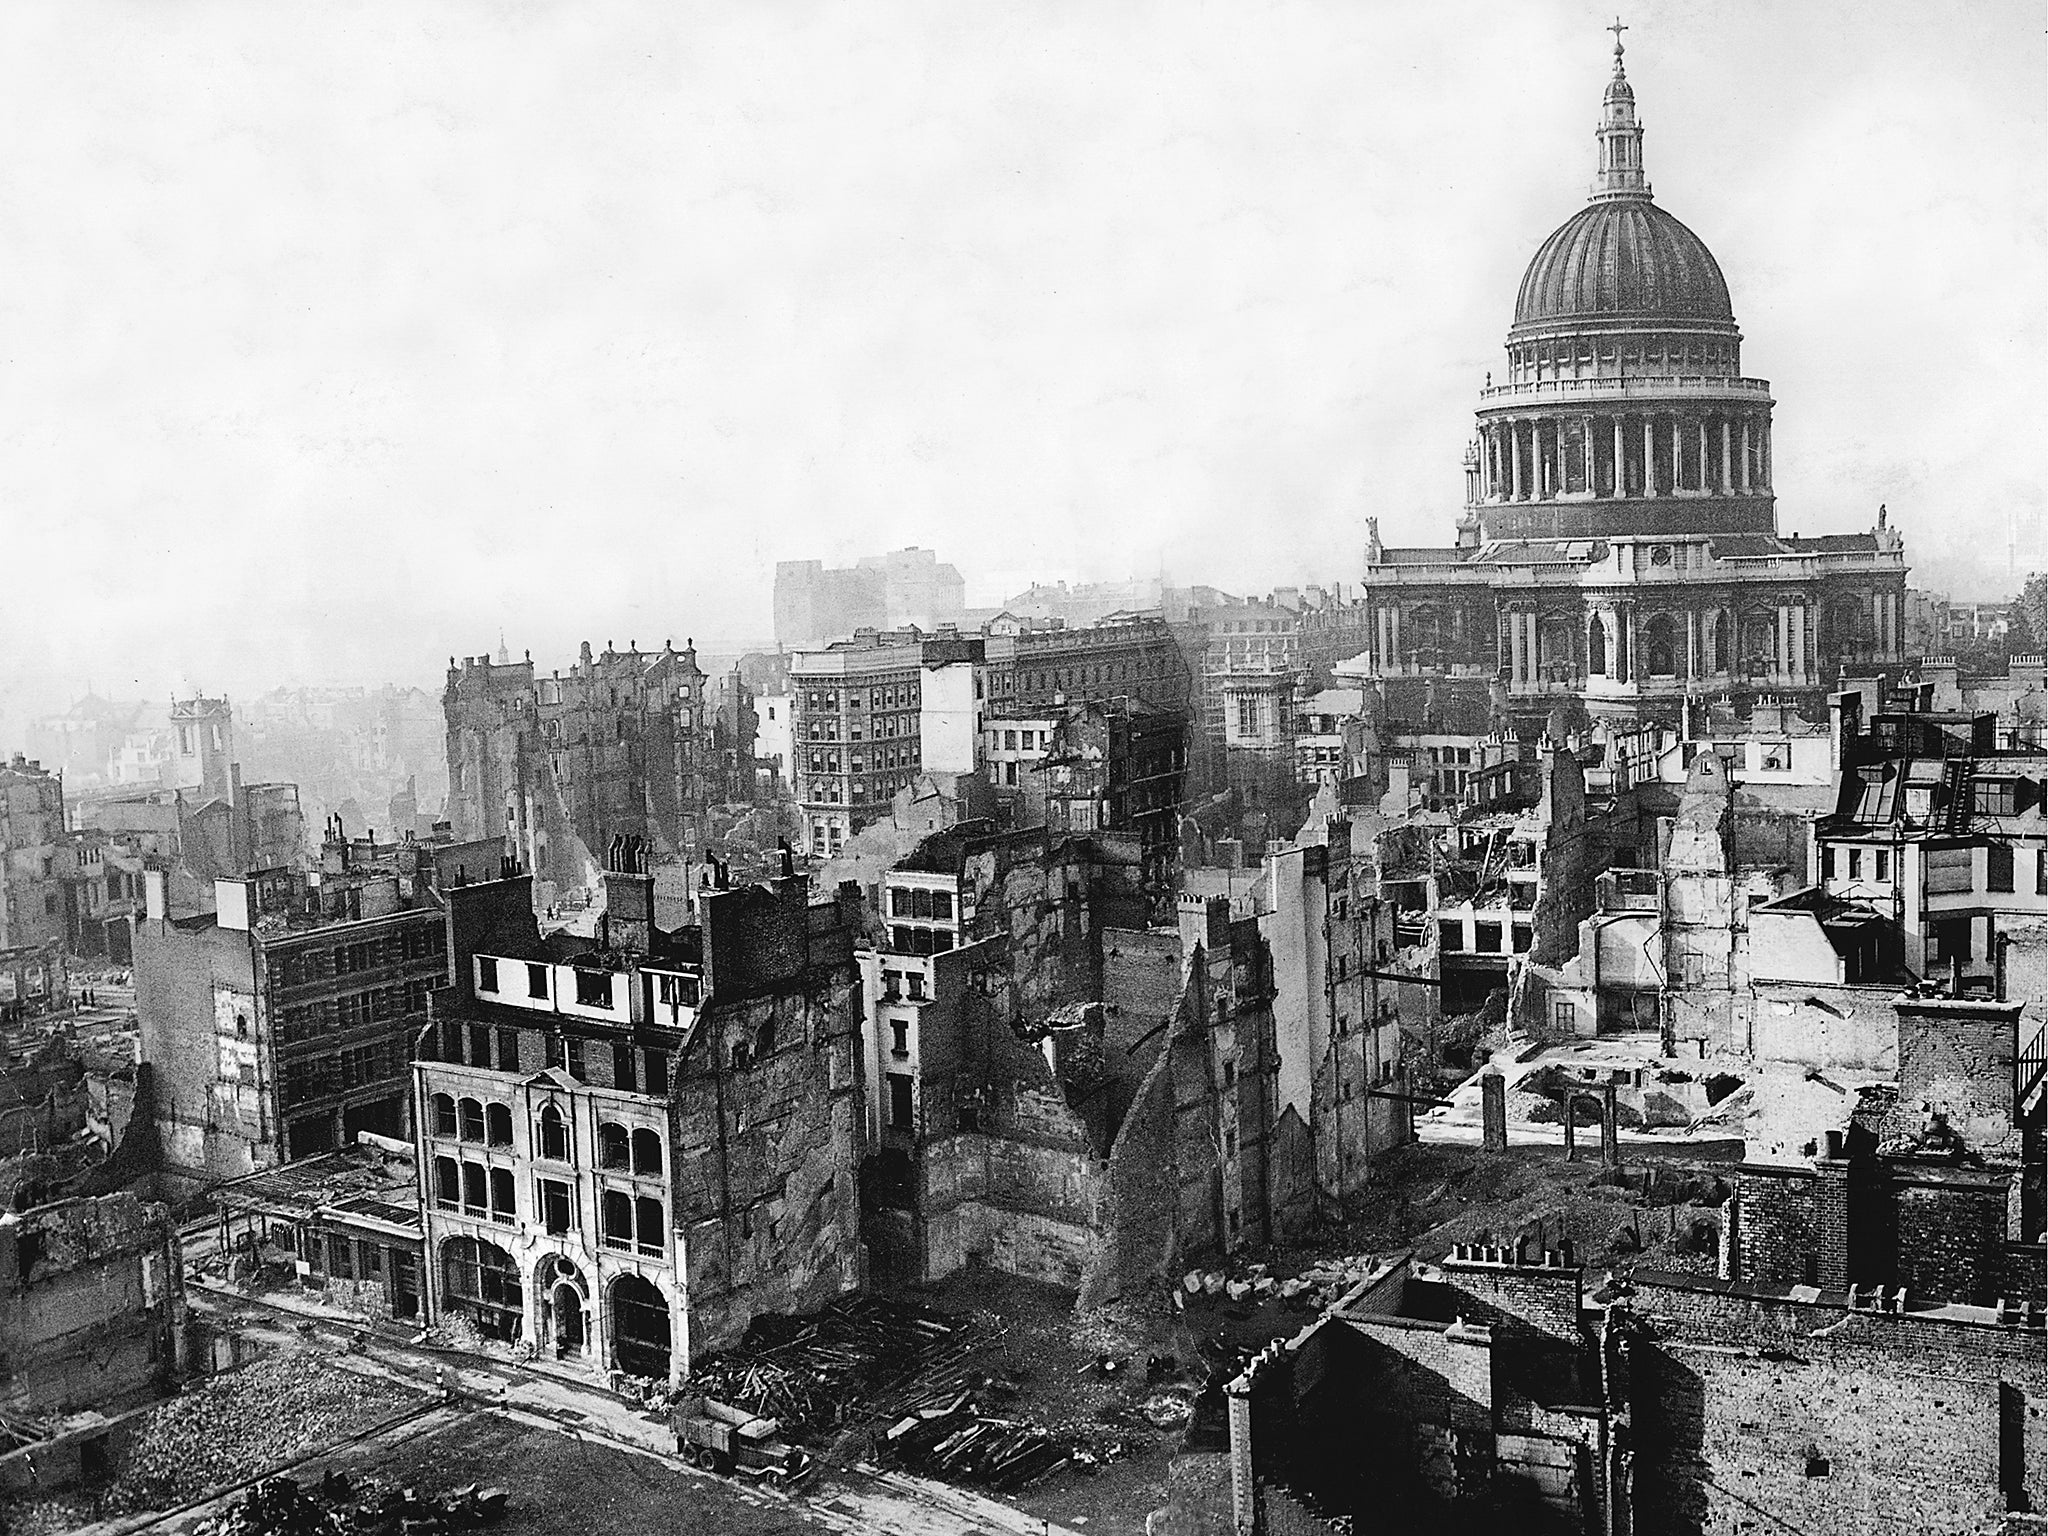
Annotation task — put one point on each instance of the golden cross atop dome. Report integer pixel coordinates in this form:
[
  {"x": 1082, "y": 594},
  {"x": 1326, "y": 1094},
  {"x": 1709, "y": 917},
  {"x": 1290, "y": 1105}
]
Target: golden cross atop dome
[{"x": 1617, "y": 29}]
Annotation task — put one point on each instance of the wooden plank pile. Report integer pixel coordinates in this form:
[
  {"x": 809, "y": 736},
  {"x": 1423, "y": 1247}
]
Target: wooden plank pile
[{"x": 821, "y": 1374}]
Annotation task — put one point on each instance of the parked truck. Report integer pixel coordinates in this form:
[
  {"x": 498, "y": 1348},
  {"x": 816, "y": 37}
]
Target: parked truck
[{"x": 721, "y": 1438}]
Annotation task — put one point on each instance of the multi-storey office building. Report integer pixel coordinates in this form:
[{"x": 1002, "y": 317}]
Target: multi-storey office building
[
  {"x": 1135, "y": 656},
  {"x": 280, "y": 1024},
  {"x": 857, "y": 725},
  {"x": 632, "y": 1145}
]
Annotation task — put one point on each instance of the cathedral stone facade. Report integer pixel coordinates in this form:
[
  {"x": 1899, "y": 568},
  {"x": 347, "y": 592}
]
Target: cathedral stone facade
[{"x": 1620, "y": 538}]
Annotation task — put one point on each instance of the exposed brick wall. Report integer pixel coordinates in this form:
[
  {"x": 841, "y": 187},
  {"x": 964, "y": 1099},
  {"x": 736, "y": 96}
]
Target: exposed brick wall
[
  {"x": 1939, "y": 1232},
  {"x": 1775, "y": 1225},
  {"x": 1518, "y": 1299},
  {"x": 1734, "y": 1386}
]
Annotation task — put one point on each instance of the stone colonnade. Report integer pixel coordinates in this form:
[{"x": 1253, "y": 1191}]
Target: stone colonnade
[{"x": 1707, "y": 451}]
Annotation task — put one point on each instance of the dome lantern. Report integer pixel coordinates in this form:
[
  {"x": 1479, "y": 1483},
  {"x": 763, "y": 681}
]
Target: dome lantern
[{"x": 1621, "y": 136}]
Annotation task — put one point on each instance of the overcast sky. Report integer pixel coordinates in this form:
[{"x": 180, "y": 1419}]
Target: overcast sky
[{"x": 338, "y": 337}]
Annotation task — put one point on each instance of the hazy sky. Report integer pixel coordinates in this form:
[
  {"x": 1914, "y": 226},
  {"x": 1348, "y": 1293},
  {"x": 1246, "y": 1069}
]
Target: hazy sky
[{"x": 339, "y": 336}]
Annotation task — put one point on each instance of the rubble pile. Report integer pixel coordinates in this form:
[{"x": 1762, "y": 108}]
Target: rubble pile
[
  {"x": 270, "y": 1411},
  {"x": 1319, "y": 1286},
  {"x": 819, "y": 1374},
  {"x": 336, "y": 1506}
]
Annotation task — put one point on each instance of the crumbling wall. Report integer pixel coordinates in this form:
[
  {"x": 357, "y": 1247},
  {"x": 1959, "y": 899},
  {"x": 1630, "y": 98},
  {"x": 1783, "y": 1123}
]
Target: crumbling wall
[
  {"x": 89, "y": 1299},
  {"x": 1025, "y": 1208},
  {"x": 1142, "y": 1240},
  {"x": 1956, "y": 1059},
  {"x": 766, "y": 1156},
  {"x": 1565, "y": 898},
  {"x": 190, "y": 985},
  {"x": 1849, "y": 1028}
]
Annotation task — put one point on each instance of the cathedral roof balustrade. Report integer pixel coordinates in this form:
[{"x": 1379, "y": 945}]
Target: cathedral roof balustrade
[{"x": 1641, "y": 386}]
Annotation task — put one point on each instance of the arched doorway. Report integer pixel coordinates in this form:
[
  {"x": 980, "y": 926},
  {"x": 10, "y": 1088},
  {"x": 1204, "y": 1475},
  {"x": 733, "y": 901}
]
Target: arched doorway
[
  {"x": 564, "y": 1325},
  {"x": 1596, "y": 647},
  {"x": 640, "y": 1327},
  {"x": 568, "y": 1319}
]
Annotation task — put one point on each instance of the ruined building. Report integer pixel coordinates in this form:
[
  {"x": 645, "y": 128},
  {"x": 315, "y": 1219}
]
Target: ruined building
[
  {"x": 1479, "y": 1393},
  {"x": 624, "y": 744},
  {"x": 633, "y": 1144},
  {"x": 1057, "y": 1088},
  {"x": 31, "y": 843},
  {"x": 280, "y": 1023},
  {"x": 91, "y": 1299}
]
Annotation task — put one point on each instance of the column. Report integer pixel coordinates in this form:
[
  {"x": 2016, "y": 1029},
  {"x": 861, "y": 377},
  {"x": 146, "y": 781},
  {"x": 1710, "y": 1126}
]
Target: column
[
  {"x": 1649, "y": 456},
  {"x": 1782, "y": 661},
  {"x": 1705, "y": 477},
  {"x": 1743, "y": 462},
  {"x": 1620, "y": 487},
  {"x": 1677, "y": 455},
  {"x": 1592, "y": 458},
  {"x": 1798, "y": 617},
  {"x": 1514, "y": 461},
  {"x": 1394, "y": 634},
  {"x": 1763, "y": 452},
  {"x": 1692, "y": 643},
  {"x": 1727, "y": 484}
]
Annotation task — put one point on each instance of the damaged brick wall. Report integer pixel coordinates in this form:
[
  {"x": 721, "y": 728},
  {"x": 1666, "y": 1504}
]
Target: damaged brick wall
[
  {"x": 767, "y": 1146},
  {"x": 1754, "y": 1411},
  {"x": 90, "y": 1297}
]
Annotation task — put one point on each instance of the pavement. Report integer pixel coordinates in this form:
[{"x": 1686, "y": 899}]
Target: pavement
[{"x": 859, "y": 1498}]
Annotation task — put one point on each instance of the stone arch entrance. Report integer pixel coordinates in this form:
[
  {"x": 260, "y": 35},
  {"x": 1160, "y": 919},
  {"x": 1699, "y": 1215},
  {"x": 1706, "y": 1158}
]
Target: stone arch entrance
[{"x": 565, "y": 1321}]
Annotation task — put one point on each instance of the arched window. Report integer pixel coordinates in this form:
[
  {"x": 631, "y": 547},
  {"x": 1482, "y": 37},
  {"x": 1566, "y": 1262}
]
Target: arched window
[
  {"x": 447, "y": 1183},
  {"x": 474, "y": 1197},
  {"x": 504, "y": 1202},
  {"x": 640, "y": 1327},
  {"x": 444, "y": 1115},
  {"x": 618, "y": 1219},
  {"x": 1660, "y": 647},
  {"x": 1721, "y": 624},
  {"x": 614, "y": 1146},
  {"x": 1596, "y": 647},
  {"x": 471, "y": 1113},
  {"x": 554, "y": 1135},
  {"x": 479, "y": 1280},
  {"x": 498, "y": 1125},
  {"x": 647, "y": 1225},
  {"x": 646, "y": 1151}
]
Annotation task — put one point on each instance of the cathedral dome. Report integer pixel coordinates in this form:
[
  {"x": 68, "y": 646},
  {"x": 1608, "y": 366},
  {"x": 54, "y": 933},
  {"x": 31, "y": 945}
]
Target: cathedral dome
[{"x": 1623, "y": 257}]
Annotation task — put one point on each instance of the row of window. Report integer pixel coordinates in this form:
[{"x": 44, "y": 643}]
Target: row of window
[
  {"x": 301, "y": 966},
  {"x": 1486, "y": 937},
  {"x": 318, "y": 1077},
  {"x": 897, "y": 696},
  {"x": 622, "y": 1148},
  {"x": 894, "y": 757},
  {"x": 353, "y": 1010},
  {"x": 918, "y": 901},
  {"x": 855, "y": 791},
  {"x": 634, "y": 1069},
  {"x": 628, "y": 1222}
]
